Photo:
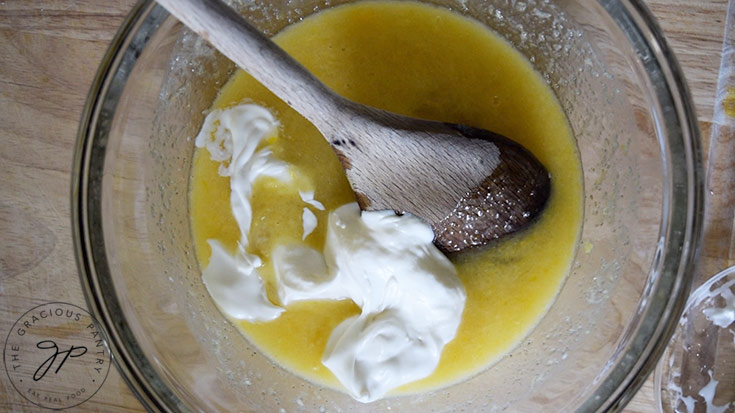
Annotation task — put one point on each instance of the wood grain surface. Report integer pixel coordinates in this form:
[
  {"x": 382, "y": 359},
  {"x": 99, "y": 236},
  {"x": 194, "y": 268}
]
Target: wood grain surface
[{"x": 50, "y": 51}]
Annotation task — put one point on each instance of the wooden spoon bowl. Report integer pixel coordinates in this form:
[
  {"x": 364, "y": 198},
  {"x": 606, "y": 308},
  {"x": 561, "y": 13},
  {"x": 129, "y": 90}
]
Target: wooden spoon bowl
[{"x": 471, "y": 185}]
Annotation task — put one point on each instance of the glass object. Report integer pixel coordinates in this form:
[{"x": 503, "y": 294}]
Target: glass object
[
  {"x": 697, "y": 371},
  {"x": 628, "y": 107}
]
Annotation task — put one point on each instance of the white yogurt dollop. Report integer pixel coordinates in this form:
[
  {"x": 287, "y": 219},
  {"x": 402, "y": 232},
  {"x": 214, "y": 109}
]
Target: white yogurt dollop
[
  {"x": 409, "y": 293},
  {"x": 410, "y": 297},
  {"x": 233, "y": 135}
]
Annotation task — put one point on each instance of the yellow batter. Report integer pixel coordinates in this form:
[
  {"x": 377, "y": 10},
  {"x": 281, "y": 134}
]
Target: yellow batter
[{"x": 425, "y": 62}]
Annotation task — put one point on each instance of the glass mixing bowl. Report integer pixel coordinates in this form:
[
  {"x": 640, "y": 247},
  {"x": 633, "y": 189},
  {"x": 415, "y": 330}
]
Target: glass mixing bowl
[{"x": 628, "y": 106}]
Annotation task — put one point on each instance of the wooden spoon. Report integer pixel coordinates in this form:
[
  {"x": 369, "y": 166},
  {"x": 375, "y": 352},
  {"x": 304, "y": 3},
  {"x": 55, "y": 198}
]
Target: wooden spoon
[{"x": 470, "y": 184}]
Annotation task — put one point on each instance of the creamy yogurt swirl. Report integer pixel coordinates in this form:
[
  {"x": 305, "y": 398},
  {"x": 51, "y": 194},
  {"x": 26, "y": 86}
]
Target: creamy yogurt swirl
[{"x": 410, "y": 297}]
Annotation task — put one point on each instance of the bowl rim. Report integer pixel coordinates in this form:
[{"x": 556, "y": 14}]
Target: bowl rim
[
  {"x": 132, "y": 364},
  {"x": 671, "y": 276},
  {"x": 629, "y": 372}
]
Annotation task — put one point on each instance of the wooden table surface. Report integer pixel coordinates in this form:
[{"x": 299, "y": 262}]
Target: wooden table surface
[{"x": 50, "y": 51}]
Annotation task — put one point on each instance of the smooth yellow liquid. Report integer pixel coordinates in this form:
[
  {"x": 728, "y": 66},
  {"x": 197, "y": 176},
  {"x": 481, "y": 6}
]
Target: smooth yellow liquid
[{"x": 425, "y": 62}]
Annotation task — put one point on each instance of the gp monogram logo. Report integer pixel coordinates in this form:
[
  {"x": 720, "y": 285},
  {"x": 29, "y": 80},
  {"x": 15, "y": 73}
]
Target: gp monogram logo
[{"x": 56, "y": 356}]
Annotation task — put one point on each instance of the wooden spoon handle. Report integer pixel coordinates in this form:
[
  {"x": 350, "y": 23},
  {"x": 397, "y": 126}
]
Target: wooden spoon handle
[{"x": 229, "y": 33}]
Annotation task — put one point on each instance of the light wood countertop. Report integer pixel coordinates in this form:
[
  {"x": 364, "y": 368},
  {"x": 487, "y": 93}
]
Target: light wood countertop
[{"x": 50, "y": 52}]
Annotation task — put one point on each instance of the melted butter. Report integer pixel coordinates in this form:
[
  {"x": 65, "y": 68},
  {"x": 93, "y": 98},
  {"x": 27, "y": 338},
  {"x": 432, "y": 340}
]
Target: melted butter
[
  {"x": 728, "y": 103},
  {"x": 425, "y": 62}
]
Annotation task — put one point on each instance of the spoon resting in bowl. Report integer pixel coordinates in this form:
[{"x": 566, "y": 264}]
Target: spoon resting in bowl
[{"x": 471, "y": 185}]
